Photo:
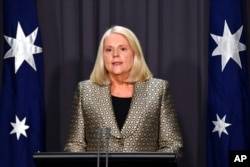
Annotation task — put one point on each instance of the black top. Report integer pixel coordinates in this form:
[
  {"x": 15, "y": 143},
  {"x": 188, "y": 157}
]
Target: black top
[{"x": 121, "y": 107}]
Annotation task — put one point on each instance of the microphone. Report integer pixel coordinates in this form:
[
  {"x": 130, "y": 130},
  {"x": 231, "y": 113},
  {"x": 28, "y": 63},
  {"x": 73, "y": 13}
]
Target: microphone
[
  {"x": 107, "y": 144},
  {"x": 98, "y": 136}
]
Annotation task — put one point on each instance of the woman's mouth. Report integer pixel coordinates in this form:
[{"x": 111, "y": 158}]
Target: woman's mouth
[{"x": 117, "y": 63}]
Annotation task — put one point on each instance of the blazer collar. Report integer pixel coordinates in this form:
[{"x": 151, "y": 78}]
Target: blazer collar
[{"x": 137, "y": 108}]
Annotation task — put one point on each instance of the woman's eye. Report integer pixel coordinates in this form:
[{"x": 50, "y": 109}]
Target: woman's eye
[
  {"x": 123, "y": 49},
  {"x": 108, "y": 50}
]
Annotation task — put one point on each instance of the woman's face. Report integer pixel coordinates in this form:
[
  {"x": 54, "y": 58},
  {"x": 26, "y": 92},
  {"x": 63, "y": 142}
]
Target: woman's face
[{"x": 118, "y": 55}]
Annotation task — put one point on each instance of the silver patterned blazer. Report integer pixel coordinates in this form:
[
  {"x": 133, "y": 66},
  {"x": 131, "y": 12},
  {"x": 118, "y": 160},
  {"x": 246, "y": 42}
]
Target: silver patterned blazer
[{"x": 151, "y": 124}]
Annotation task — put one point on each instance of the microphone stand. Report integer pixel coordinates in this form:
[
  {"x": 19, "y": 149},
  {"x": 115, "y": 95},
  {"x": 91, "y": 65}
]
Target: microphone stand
[
  {"x": 107, "y": 144},
  {"x": 98, "y": 136}
]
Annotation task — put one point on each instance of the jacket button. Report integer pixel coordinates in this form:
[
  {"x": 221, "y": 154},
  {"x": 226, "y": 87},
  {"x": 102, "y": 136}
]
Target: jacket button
[{"x": 121, "y": 142}]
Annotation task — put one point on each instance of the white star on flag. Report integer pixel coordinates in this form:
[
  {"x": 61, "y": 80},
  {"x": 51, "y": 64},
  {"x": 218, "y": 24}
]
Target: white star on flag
[
  {"x": 19, "y": 127},
  {"x": 220, "y": 125},
  {"x": 22, "y": 48},
  {"x": 228, "y": 46}
]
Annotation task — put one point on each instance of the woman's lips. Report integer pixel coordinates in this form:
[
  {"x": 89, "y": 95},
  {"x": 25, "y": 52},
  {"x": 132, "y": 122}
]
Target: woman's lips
[{"x": 117, "y": 63}]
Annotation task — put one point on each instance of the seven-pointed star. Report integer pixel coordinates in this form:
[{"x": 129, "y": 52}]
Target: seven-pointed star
[
  {"x": 228, "y": 46},
  {"x": 220, "y": 125},
  {"x": 22, "y": 48},
  {"x": 19, "y": 127}
]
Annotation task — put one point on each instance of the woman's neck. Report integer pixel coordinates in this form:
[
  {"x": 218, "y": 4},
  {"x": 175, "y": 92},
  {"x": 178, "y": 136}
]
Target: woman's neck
[{"x": 122, "y": 89}]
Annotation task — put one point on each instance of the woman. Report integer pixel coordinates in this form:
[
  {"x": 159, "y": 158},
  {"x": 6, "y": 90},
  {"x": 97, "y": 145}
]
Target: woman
[{"x": 122, "y": 95}]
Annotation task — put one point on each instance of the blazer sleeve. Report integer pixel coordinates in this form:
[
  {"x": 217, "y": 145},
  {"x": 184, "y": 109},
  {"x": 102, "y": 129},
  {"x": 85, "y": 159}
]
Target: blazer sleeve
[
  {"x": 76, "y": 136},
  {"x": 170, "y": 139}
]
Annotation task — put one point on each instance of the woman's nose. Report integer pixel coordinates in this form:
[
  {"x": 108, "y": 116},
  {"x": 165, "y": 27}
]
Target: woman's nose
[{"x": 115, "y": 53}]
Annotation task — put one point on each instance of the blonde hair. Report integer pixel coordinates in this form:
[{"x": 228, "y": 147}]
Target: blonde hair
[{"x": 139, "y": 71}]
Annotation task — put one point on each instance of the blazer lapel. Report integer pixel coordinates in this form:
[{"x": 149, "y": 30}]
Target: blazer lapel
[
  {"x": 107, "y": 111},
  {"x": 137, "y": 108}
]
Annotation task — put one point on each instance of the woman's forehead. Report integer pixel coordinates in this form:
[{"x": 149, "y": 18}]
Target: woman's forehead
[{"x": 115, "y": 39}]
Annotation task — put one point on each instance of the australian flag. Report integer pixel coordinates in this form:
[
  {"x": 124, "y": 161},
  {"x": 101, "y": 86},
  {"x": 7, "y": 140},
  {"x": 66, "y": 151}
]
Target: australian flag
[
  {"x": 21, "y": 98},
  {"x": 228, "y": 113}
]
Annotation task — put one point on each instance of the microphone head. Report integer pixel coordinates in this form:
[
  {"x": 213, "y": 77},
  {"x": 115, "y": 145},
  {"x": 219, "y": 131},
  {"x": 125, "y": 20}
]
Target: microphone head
[
  {"x": 99, "y": 133},
  {"x": 108, "y": 133}
]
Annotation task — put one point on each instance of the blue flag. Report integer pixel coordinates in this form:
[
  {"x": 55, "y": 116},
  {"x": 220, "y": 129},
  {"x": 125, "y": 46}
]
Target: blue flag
[
  {"x": 228, "y": 113},
  {"x": 21, "y": 98}
]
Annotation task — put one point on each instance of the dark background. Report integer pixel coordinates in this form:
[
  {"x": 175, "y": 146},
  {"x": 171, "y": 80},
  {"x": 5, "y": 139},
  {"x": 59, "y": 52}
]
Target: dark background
[{"x": 174, "y": 37}]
